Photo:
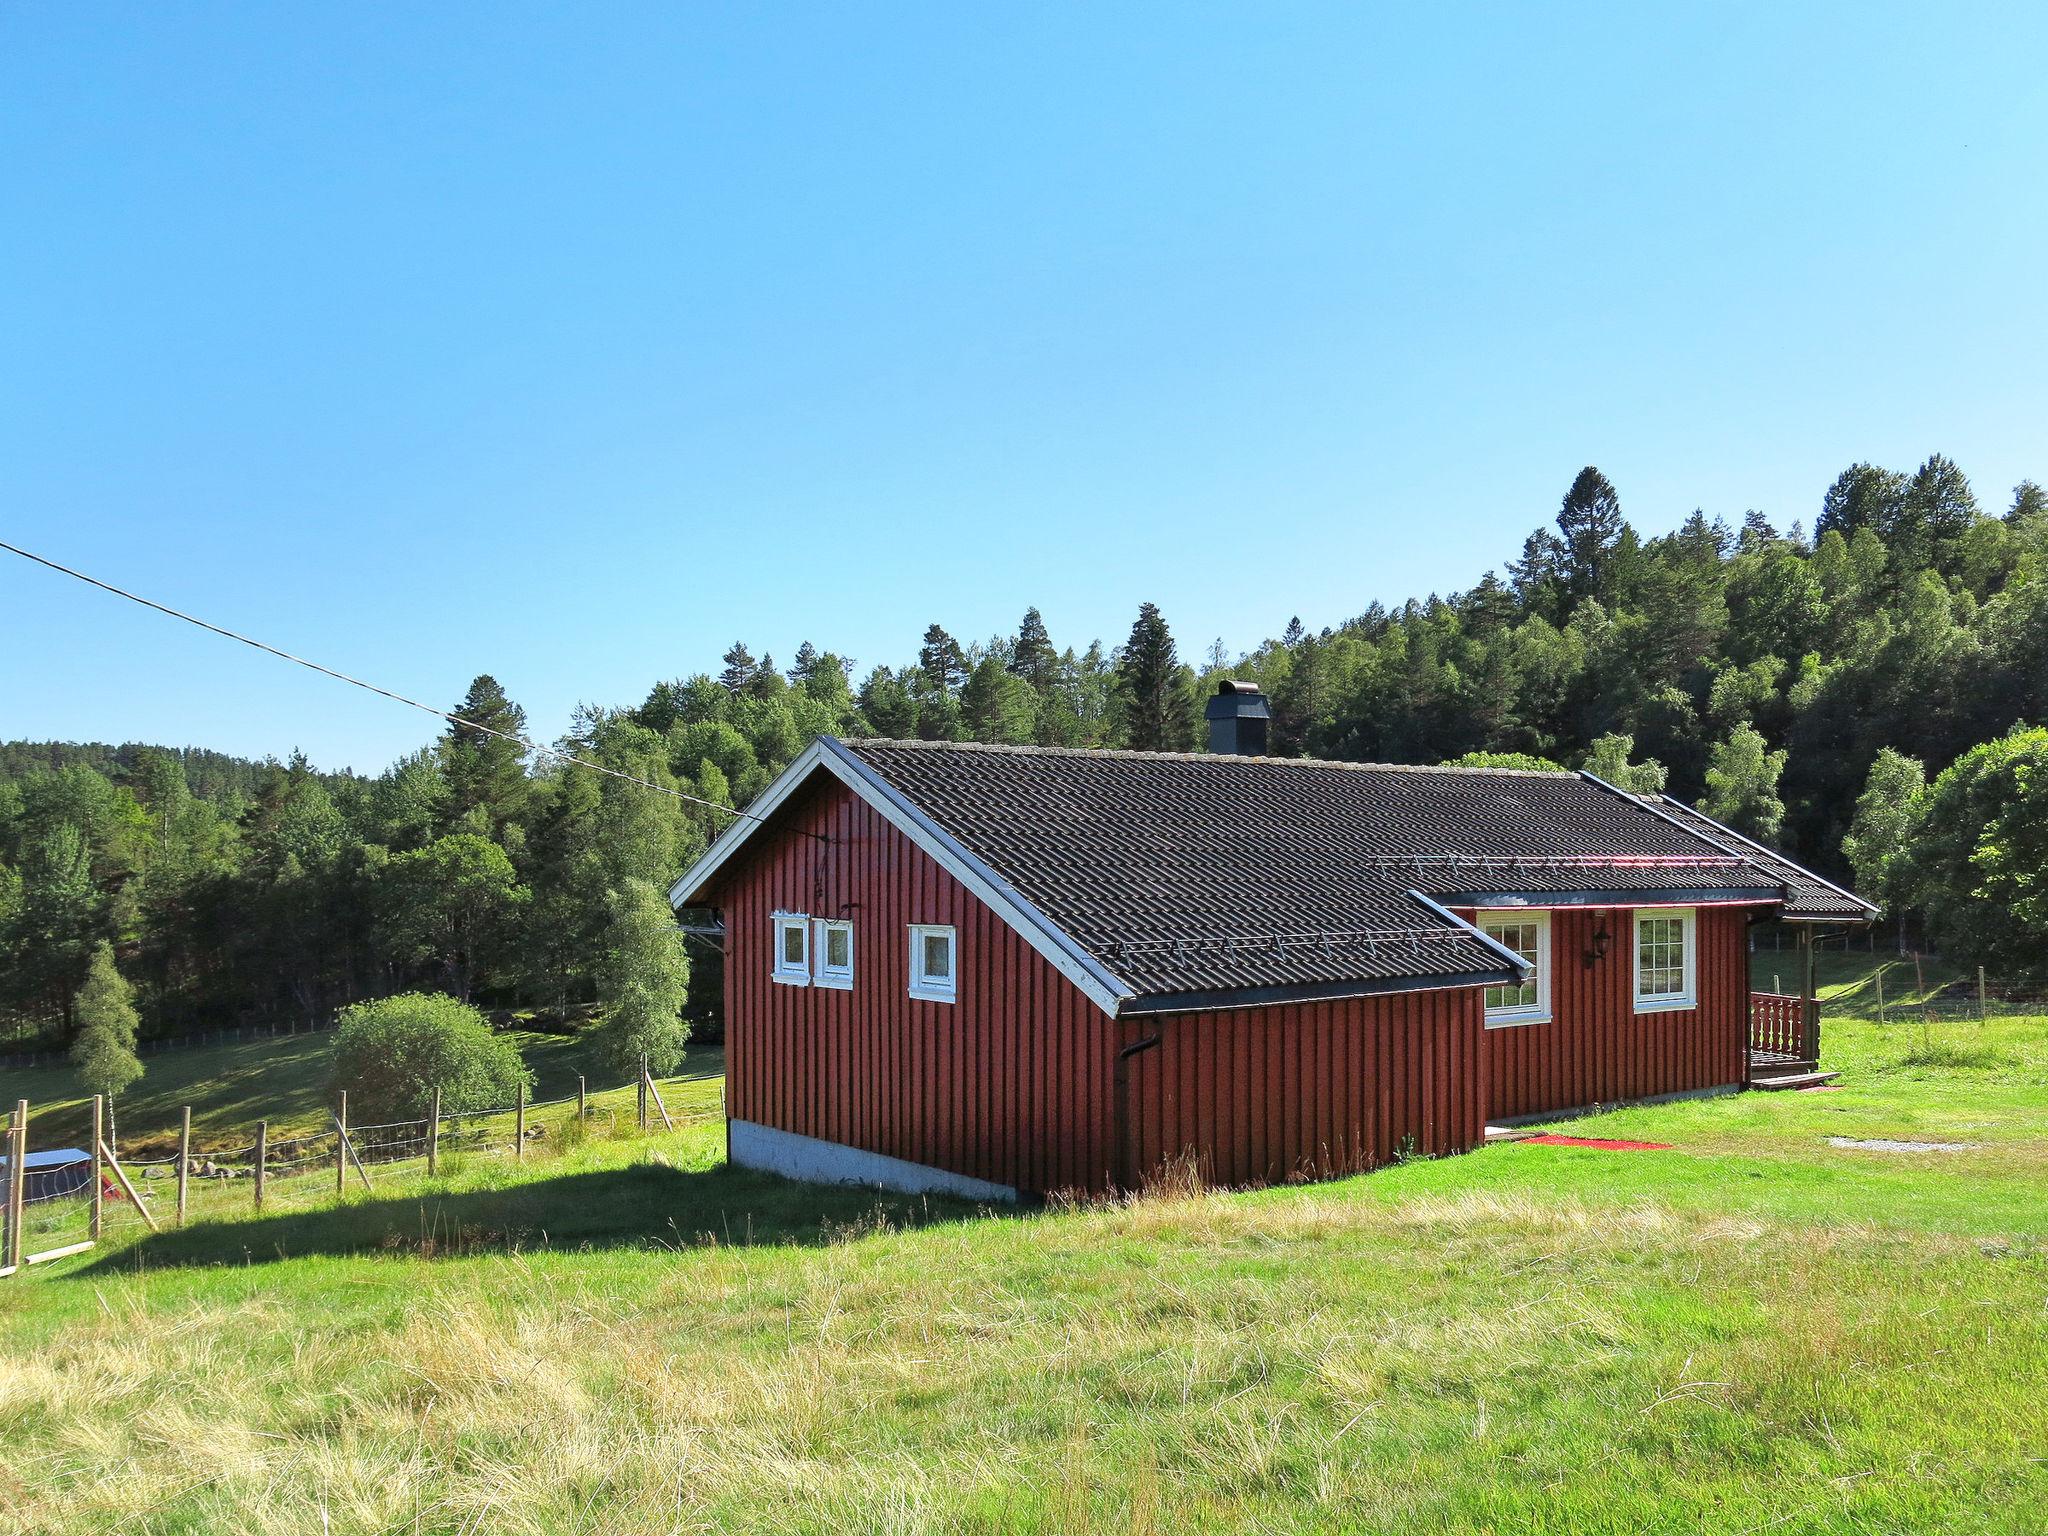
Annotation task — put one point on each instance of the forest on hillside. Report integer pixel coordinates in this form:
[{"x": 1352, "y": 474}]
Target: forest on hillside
[{"x": 1870, "y": 696}]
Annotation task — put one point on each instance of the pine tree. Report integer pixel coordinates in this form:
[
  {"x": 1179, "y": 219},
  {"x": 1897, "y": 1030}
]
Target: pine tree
[
  {"x": 942, "y": 662},
  {"x": 1152, "y": 688},
  {"x": 740, "y": 668},
  {"x": 104, "y": 1049},
  {"x": 1589, "y": 526},
  {"x": 1757, "y": 532},
  {"x": 485, "y": 773},
  {"x": 1291, "y": 636}
]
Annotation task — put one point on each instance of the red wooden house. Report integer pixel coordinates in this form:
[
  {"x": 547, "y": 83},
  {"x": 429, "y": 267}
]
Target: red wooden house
[{"x": 994, "y": 970}]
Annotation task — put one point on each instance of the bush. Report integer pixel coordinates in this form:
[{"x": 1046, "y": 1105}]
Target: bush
[{"x": 390, "y": 1055}]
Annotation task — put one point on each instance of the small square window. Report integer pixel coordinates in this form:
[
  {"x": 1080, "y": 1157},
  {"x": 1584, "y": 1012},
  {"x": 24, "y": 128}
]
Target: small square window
[
  {"x": 835, "y": 954},
  {"x": 932, "y": 962},
  {"x": 792, "y": 949}
]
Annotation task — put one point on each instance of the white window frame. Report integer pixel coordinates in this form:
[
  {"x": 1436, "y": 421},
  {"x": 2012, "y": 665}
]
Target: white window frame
[
  {"x": 1689, "y": 995},
  {"x": 934, "y": 989},
  {"x": 1503, "y": 1018},
  {"x": 788, "y": 973},
  {"x": 823, "y": 972}
]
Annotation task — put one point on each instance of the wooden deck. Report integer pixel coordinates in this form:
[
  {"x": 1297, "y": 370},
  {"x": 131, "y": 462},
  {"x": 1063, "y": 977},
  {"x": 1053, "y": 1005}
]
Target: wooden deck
[{"x": 1784, "y": 1042}]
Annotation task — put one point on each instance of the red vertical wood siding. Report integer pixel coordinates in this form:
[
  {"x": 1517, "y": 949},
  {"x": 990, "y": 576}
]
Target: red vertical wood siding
[
  {"x": 1596, "y": 1049},
  {"x": 1008, "y": 1083},
  {"x": 1298, "y": 1090}
]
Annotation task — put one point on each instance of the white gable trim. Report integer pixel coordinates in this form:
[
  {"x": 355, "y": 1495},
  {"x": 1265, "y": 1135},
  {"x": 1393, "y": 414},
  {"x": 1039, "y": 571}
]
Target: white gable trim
[{"x": 1101, "y": 987}]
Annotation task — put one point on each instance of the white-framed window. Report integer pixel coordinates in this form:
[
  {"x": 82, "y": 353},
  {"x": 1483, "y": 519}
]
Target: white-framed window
[
  {"x": 835, "y": 954},
  {"x": 1666, "y": 959},
  {"x": 792, "y": 949},
  {"x": 1528, "y": 935},
  {"x": 934, "y": 963}
]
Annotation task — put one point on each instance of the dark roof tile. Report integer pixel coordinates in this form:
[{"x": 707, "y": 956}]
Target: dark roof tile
[{"x": 1193, "y": 873}]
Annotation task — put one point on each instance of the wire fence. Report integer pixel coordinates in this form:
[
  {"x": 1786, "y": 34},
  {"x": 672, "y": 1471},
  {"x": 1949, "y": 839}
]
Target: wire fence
[
  {"x": 60, "y": 1202},
  {"x": 164, "y": 1044}
]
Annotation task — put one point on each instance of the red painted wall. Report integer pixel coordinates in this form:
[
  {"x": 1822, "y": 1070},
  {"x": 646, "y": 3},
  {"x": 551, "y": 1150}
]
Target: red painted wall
[
  {"x": 1597, "y": 1049},
  {"x": 1009, "y": 1083},
  {"x": 1261, "y": 1095}
]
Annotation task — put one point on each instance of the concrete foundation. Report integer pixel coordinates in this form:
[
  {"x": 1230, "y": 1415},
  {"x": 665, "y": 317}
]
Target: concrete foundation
[{"x": 831, "y": 1162}]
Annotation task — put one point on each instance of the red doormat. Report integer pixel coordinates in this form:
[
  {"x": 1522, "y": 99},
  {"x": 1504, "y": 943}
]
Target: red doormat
[{"x": 1594, "y": 1141}]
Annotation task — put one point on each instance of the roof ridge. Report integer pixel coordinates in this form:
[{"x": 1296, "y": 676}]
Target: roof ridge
[{"x": 1205, "y": 757}]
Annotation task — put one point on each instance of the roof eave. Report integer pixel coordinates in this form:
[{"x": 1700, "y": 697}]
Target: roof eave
[
  {"x": 828, "y": 754},
  {"x": 1215, "y": 999}
]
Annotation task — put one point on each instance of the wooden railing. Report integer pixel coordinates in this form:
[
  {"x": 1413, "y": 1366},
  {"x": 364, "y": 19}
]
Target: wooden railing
[{"x": 1777, "y": 1023}]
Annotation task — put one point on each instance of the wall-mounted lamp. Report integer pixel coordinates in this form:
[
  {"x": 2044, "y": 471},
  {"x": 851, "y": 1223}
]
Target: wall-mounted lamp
[{"x": 1596, "y": 949}]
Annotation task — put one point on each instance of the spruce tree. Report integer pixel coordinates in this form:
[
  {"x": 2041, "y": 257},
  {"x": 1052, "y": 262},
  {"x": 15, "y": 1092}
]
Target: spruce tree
[
  {"x": 643, "y": 980},
  {"x": 1537, "y": 577},
  {"x": 1152, "y": 687},
  {"x": 1033, "y": 657},
  {"x": 103, "y": 1051},
  {"x": 485, "y": 773}
]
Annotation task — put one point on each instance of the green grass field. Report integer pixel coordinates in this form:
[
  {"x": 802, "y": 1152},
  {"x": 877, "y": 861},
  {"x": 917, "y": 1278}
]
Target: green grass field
[
  {"x": 286, "y": 1081},
  {"x": 1754, "y": 1332}
]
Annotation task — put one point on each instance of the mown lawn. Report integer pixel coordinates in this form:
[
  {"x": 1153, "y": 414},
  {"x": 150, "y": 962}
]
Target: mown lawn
[{"x": 1753, "y": 1332}]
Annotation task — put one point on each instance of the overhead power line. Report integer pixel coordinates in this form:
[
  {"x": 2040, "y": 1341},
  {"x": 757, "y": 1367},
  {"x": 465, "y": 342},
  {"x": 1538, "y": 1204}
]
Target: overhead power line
[{"x": 356, "y": 682}]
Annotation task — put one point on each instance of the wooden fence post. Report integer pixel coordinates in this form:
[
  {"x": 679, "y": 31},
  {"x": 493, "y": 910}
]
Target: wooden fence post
[
  {"x": 1809, "y": 1009},
  {"x": 121, "y": 1177},
  {"x": 17, "y": 1181},
  {"x": 262, "y": 1158},
  {"x": 1879, "y": 975},
  {"x": 99, "y": 1130},
  {"x": 341, "y": 1144},
  {"x": 582, "y": 1103},
  {"x": 643, "y": 1095},
  {"x": 1983, "y": 1005},
  {"x": 434, "y": 1134},
  {"x": 519, "y": 1127},
  {"x": 655, "y": 1094},
  {"x": 184, "y": 1159}
]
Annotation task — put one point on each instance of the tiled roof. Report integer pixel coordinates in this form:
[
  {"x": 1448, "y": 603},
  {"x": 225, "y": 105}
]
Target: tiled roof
[
  {"x": 1808, "y": 895},
  {"x": 1205, "y": 874}
]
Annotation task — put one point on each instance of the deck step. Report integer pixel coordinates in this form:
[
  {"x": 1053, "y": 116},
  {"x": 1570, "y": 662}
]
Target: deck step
[{"x": 1778, "y": 1081}]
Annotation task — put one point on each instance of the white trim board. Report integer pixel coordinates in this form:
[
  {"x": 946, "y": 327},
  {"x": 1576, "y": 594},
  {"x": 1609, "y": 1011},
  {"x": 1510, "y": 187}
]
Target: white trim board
[{"x": 828, "y": 753}]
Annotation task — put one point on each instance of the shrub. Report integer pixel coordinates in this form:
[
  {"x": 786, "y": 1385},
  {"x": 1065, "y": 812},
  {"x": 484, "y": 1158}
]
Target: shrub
[{"x": 390, "y": 1055}]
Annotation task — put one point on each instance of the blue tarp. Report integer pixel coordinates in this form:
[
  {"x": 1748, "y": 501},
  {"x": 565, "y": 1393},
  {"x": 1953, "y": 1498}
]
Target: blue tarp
[{"x": 47, "y": 1175}]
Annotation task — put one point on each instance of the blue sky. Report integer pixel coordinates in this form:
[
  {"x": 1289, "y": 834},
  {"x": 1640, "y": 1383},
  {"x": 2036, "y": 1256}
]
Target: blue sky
[{"x": 572, "y": 343}]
